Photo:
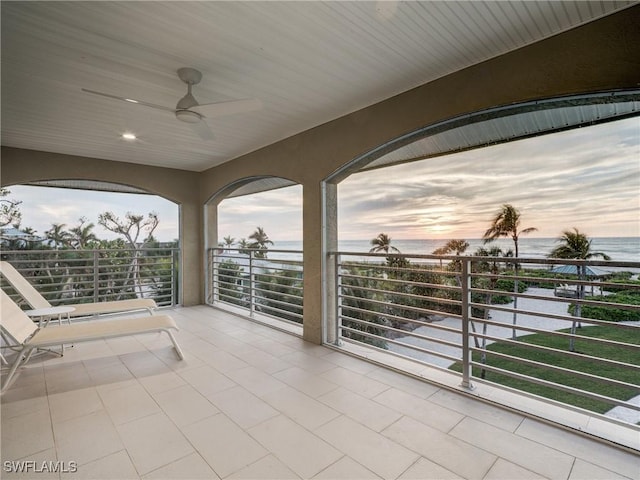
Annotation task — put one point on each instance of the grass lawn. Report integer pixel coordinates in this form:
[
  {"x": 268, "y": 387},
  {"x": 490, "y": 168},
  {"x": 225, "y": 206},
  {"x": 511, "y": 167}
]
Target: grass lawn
[{"x": 583, "y": 347}]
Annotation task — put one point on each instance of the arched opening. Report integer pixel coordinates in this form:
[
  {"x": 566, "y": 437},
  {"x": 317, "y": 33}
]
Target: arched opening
[
  {"x": 89, "y": 241},
  {"x": 254, "y": 262},
  {"x": 418, "y": 281}
]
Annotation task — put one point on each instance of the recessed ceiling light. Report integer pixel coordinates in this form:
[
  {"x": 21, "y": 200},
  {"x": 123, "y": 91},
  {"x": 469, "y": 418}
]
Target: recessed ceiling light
[
  {"x": 131, "y": 100},
  {"x": 129, "y": 136}
]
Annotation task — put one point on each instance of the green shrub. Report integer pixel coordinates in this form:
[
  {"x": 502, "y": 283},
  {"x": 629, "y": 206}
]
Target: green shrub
[{"x": 608, "y": 313}]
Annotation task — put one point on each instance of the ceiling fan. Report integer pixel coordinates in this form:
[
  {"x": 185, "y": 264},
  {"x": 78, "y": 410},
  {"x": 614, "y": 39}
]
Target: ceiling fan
[{"x": 188, "y": 109}]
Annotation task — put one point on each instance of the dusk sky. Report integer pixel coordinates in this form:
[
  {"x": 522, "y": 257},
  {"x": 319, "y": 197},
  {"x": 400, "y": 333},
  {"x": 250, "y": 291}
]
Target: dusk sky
[
  {"x": 42, "y": 206},
  {"x": 587, "y": 178}
]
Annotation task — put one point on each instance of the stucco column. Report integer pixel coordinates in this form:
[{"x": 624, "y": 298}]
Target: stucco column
[
  {"x": 312, "y": 235},
  {"x": 330, "y": 230},
  {"x": 210, "y": 241},
  {"x": 191, "y": 270}
]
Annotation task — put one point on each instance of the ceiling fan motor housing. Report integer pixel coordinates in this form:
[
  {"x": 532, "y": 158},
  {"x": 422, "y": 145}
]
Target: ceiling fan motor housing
[{"x": 188, "y": 116}]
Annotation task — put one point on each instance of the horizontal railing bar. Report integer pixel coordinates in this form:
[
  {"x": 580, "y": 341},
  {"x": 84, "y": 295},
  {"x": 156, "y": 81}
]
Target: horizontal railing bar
[
  {"x": 278, "y": 273},
  {"x": 263, "y": 270},
  {"x": 386, "y": 304},
  {"x": 257, "y": 279},
  {"x": 443, "y": 328},
  {"x": 594, "y": 303},
  {"x": 388, "y": 340},
  {"x": 274, "y": 309},
  {"x": 443, "y": 301},
  {"x": 476, "y": 258},
  {"x": 533, "y": 346},
  {"x": 404, "y": 332},
  {"x": 435, "y": 326},
  {"x": 277, "y": 302},
  {"x": 280, "y": 264},
  {"x": 400, "y": 281},
  {"x": 568, "y": 318},
  {"x": 236, "y": 302},
  {"x": 391, "y": 268},
  {"x": 232, "y": 290},
  {"x": 557, "y": 386},
  {"x": 558, "y": 278},
  {"x": 229, "y": 292},
  {"x": 216, "y": 251},
  {"x": 280, "y": 294},
  {"x": 548, "y": 366},
  {"x": 630, "y": 346}
]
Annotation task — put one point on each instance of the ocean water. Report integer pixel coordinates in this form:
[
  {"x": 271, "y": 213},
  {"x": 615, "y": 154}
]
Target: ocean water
[{"x": 620, "y": 249}]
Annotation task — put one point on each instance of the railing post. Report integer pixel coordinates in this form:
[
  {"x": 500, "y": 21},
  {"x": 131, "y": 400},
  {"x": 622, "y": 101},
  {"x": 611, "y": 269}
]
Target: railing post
[
  {"x": 466, "y": 315},
  {"x": 338, "y": 284},
  {"x": 212, "y": 276},
  {"x": 252, "y": 304},
  {"x": 174, "y": 262},
  {"x": 96, "y": 283}
]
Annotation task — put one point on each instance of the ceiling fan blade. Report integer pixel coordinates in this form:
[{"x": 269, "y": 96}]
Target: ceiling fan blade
[
  {"x": 231, "y": 107},
  {"x": 130, "y": 100},
  {"x": 202, "y": 130}
]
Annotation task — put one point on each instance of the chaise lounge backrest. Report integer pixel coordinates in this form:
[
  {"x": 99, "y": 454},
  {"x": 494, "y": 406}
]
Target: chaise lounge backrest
[
  {"x": 14, "y": 321},
  {"x": 37, "y": 301},
  {"x": 22, "y": 286}
]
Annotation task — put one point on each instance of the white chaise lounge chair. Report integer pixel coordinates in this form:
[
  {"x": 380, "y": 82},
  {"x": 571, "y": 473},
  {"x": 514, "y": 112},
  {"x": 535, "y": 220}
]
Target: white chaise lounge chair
[
  {"x": 37, "y": 301},
  {"x": 29, "y": 337}
]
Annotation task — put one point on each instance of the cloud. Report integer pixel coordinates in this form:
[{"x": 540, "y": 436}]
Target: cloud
[
  {"x": 588, "y": 176},
  {"x": 278, "y": 212}
]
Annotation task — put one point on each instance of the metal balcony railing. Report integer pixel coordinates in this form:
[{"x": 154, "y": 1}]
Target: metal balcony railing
[
  {"x": 82, "y": 276},
  {"x": 246, "y": 278},
  {"x": 567, "y": 338}
]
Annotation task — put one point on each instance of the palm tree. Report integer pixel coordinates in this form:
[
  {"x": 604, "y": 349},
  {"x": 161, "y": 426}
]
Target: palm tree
[
  {"x": 453, "y": 246},
  {"x": 244, "y": 246},
  {"x": 491, "y": 265},
  {"x": 228, "y": 241},
  {"x": 81, "y": 236},
  {"x": 260, "y": 241},
  {"x": 58, "y": 235},
  {"x": 382, "y": 243},
  {"x": 506, "y": 223},
  {"x": 576, "y": 245}
]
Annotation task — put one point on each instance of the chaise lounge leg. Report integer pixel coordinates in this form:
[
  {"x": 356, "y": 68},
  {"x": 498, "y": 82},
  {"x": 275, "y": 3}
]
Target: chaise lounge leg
[
  {"x": 25, "y": 353},
  {"x": 175, "y": 345}
]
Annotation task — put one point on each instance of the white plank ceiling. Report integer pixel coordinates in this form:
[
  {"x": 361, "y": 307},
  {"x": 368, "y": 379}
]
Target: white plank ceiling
[{"x": 307, "y": 62}]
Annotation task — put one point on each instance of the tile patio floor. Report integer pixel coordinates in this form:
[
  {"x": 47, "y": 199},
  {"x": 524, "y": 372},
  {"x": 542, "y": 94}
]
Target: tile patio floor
[{"x": 251, "y": 402}]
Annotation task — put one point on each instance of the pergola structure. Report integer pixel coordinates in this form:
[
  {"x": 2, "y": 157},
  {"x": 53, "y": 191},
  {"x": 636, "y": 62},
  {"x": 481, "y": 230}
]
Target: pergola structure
[{"x": 465, "y": 67}]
